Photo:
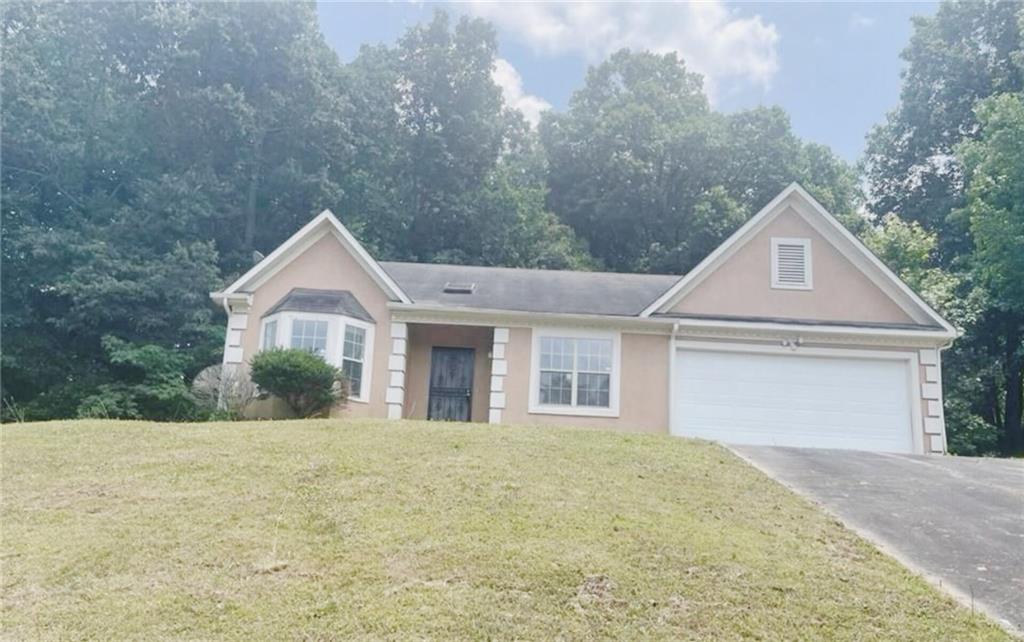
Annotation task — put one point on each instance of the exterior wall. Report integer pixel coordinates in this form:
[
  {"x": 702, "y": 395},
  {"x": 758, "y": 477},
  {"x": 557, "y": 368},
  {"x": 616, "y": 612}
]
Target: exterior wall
[
  {"x": 327, "y": 265},
  {"x": 643, "y": 401},
  {"x": 424, "y": 337},
  {"x": 741, "y": 286}
]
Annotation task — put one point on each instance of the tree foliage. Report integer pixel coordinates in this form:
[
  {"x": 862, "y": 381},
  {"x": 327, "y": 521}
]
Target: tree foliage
[
  {"x": 653, "y": 179},
  {"x": 948, "y": 159}
]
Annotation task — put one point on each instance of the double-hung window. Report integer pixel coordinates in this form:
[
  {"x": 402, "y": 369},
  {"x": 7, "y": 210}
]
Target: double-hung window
[
  {"x": 352, "y": 355},
  {"x": 575, "y": 374},
  {"x": 269, "y": 335},
  {"x": 308, "y": 334}
]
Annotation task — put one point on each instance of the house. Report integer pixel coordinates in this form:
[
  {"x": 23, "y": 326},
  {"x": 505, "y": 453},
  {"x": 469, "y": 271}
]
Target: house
[{"x": 791, "y": 333}]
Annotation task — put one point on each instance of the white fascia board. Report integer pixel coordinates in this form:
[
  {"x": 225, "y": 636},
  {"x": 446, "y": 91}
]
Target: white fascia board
[
  {"x": 874, "y": 260},
  {"x": 437, "y": 314},
  {"x": 937, "y": 337},
  {"x": 278, "y": 252},
  {"x": 282, "y": 255},
  {"x": 367, "y": 261},
  {"x": 762, "y": 218},
  {"x": 711, "y": 261},
  {"x": 430, "y": 313}
]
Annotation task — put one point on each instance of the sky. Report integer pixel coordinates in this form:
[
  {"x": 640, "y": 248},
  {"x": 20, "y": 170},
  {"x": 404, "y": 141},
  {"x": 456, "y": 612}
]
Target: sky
[{"x": 834, "y": 67}]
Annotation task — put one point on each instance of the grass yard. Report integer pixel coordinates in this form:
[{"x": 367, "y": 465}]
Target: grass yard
[{"x": 368, "y": 529}]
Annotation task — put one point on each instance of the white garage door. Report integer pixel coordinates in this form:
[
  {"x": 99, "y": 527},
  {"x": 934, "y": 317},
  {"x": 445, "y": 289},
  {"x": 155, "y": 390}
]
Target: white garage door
[{"x": 793, "y": 400}]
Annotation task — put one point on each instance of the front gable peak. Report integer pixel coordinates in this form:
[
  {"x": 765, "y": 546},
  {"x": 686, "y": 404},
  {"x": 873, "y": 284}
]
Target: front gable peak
[
  {"x": 795, "y": 235},
  {"x": 323, "y": 224}
]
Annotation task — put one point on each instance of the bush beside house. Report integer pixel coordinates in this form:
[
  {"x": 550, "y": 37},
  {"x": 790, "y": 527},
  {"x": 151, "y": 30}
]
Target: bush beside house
[{"x": 307, "y": 383}]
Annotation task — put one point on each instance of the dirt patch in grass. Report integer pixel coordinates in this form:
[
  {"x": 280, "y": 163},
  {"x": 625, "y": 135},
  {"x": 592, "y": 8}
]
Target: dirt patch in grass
[{"x": 367, "y": 529}]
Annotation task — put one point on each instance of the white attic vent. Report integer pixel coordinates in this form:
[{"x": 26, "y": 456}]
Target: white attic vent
[
  {"x": 459, "y": 288},
  {"x": 791, "y": 264}
]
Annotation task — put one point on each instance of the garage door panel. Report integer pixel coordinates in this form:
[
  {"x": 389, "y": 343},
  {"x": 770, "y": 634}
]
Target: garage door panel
[{"x": 831, "y": 402}]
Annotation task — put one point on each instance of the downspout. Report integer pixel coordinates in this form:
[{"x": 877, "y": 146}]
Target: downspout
[
  {"x": 942, "y": 394},
  {"x": 672, "y": 375}
]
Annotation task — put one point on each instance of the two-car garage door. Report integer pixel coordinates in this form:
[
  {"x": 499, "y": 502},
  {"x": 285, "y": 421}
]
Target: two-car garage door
[{"x": 793, "y": 399}]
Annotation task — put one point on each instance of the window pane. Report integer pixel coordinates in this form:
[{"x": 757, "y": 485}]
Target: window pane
[
  {"x": 353, "y": 371},
  {"x": 594, "y": 355},
  {"x": 592, "y": 390},
  {"x": 270, "y": 335},
  {"x": 310, "y": 335},
  {"x": 556, "y": 353},
  {"x": 354, "y": 342},
  {"x": 555, "y": 388}
]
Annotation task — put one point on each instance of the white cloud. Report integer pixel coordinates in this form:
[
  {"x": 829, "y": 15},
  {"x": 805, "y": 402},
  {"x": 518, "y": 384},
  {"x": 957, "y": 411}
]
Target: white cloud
[
  {"x": 860, "y": 21},
  {"x": 511, "y": 83},
  {"x": 713, "y": 40}
]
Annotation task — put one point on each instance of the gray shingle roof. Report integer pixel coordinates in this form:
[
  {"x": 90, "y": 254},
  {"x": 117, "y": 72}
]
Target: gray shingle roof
[
  {"x": 564, "y": 291},
  {"x": 323, "y": 301}
]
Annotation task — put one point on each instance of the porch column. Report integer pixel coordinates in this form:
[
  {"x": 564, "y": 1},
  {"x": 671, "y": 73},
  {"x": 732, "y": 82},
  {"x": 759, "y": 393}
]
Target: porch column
[
  {"x": 396, "y": 370},
  {"x": 238, "y": 321},
  {"x": 499, "y": 368},
  {"x": 931, "y": 392}
]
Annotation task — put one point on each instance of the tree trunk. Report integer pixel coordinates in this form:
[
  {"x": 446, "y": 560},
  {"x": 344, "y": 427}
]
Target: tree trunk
[
  {"x": 1013, "y": 432},
  {"x": 250, "y": 201}
]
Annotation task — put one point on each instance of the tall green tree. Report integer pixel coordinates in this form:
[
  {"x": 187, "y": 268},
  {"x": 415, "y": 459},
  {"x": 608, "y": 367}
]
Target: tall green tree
[
  {"x": 653, "y": 179},
  {"x": 966, "y": 52},
  {"x": 994, "y": 171},
  {"x": 148, "y": 148},
  {"x": 445, "y": 170},
  {"x": 919, "y": 165}
]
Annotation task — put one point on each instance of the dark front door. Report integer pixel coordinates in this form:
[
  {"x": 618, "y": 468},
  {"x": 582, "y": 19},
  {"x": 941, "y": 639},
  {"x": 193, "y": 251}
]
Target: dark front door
[{"x": 451, "y": 384}]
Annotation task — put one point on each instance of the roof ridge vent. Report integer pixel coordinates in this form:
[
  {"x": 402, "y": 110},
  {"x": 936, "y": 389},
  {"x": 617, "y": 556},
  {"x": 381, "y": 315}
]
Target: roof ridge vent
[{"x": 452, "y": 287}]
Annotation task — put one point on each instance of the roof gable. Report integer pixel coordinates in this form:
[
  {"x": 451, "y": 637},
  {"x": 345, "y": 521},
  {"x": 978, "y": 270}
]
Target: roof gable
[
  {"x": 323, "y": 224},
  {"x": 794, "y": 198}
]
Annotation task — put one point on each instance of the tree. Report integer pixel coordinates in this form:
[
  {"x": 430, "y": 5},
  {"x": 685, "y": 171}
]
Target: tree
[
  {"x": 994, "y": 172},
  {"x": 916, "y": 166},
  {"x": 962, "y": 54},
  {"x": 147, "y": 149},
  {"x": 652, "y": 179},
  {"x": 445, "y": 171}
]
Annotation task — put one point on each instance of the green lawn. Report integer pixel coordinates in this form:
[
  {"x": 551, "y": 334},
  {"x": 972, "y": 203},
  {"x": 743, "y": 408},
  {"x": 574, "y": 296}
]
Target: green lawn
[{"x": 338, "y": 529}]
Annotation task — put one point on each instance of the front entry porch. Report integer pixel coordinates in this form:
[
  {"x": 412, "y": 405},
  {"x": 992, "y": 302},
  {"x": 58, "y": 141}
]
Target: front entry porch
[{"x": 447, "y": 372}]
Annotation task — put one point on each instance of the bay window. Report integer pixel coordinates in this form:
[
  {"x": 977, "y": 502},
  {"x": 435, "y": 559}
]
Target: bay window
[{"x": 343, "y": 342}]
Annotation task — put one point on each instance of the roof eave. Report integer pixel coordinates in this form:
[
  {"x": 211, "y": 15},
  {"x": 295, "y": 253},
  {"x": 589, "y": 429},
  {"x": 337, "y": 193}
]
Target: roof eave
[{"x": 427, "y": 313}]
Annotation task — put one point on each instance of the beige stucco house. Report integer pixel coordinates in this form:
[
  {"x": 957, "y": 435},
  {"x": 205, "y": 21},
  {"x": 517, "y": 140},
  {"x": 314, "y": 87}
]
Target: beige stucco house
[{"x": 790, "y": 333}]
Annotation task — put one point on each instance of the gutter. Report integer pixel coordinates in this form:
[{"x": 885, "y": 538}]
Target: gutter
[
  {"x": 433, "y": 313},
  {"x": 226, "y": 298}
]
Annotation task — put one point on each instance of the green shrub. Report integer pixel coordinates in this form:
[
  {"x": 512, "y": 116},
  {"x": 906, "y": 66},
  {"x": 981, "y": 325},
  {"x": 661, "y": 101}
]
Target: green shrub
[
  {"x": 151, "y": 384},
  {"x": 307, "y": 383}
]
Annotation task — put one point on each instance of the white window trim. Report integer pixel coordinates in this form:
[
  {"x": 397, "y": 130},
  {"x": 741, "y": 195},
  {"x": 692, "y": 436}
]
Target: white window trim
[
  {"x": 808, "y": 265},
  {"x": 263, "y": 332},
  {"x": 536, "y": 408},
  {"x": 335, "y": 341}
]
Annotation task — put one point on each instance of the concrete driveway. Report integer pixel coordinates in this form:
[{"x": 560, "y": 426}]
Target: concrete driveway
[{"x": 957, "y": 520}]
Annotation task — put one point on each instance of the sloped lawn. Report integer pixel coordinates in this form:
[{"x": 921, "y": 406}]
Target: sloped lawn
[{"x": 341, "y": 529}]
